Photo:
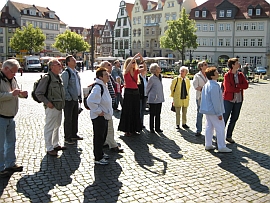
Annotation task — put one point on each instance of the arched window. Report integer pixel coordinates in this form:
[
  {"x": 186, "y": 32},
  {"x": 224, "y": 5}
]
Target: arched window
[
  {"x": 139, "y": 32},
  {"x": 139, "y": 44},
  {"x": 147, "y": 44},
  {"x": 134, "y": 45},
  {"x": 134, "y": 33}
]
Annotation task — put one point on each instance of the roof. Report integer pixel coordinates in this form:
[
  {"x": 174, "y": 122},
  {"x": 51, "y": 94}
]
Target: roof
[
  {"x": 144, "y": 4},
  {"x": 242, "y": 5},
  {"x": 76, "y": 29},
  {"x": 111, "y": 23},
  {"x": 129, "y": 8},
  {"x": 3, "y": 17}
]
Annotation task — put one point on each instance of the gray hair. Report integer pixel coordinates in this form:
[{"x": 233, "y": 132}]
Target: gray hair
[
  {"x": 183, "y": 68},
  {"x": 103, "y": 63},
  {"x": 10, "y": 63},
  {"x": 200, "y": 64},
  {"x": 153, "y": 68}
]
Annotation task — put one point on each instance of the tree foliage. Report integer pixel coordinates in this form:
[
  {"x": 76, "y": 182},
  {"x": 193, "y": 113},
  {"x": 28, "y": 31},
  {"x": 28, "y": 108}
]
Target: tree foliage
[
  {"x": 70, "y": 42},
  {"x": 28, "y": 38},
  {"x": 180, "y": 34}
]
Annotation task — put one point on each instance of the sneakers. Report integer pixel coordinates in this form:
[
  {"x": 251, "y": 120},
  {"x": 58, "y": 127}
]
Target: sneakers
[
  {"x": 207, "y": 148},
  {"x": 185, "y": 126},
  {"x": 102, "y": 162},
  {"x": 177, "y": 127},
  {"x": 230, "y": 140},
  {"x": 198, "y": 134},
  {"x": 52, "y": 153},
  {"x": 117, "y": 149},
  {"x": 4, "y": 174},
  {"x": 225, "y": 150},
  {"x": 77, "y": 138},
  {"x": 15, "y": 168},
  {"x": 106, "y": 156},
  {"x": 69, "y": 142}
]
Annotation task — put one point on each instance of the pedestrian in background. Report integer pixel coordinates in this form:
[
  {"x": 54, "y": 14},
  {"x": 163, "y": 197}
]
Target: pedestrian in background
[
  {"x": 9, "y": 93},
  {"x": 154, "y": 91},
  {"x": 72, "y": 85},
  {"x": 51, "y": 92},
  {"x": 234, "y": 83},
  {"x": 101, "y": 112},
  {"x": 130, "y": 122},
  {"x": 180, "y": 92},
  {"x": 213, "y": 108},
  {"x": 143, "y": 95},
  {"x": 199, "y": 81},
  {"x": 116, "y": 71},
  {"x": 118, "y": 93}
]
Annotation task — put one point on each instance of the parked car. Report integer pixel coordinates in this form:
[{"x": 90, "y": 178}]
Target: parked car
[{"x": 260, "y": 70}]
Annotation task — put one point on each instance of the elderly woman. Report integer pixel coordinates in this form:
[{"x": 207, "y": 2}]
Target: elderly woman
[
  {"x": 198, "y": 82},
  {"x": 180, "y": 92},
  {"x": 130, "y": 122},
  {"x": 154, "y": 90}
]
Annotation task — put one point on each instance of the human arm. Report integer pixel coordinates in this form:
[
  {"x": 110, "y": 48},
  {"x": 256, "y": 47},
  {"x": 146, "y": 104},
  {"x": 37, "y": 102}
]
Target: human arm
[
  {"x": 65, "y": 78},
  {"x": 216, "y": 97},
  {"x": 144, "y": 67},
  {"x": 195, "y": 83},
  {"x": 131, "y": 61},
  {"x": 41, "y": 91},
  {"x": 94, "y": 99}
]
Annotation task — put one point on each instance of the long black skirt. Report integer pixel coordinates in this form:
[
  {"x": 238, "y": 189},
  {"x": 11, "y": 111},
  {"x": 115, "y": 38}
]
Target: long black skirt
[{"x": 130, "y": 116}]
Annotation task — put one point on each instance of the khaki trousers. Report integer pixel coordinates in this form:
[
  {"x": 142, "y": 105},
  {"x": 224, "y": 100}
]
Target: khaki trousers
[
  {"x": 184, "y": 115},
  {"x": 110, "y": 136}
]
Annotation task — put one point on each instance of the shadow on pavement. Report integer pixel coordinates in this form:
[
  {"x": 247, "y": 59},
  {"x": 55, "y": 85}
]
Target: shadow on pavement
[
  {"x": 237, "y": 164},
  {"x": 3, "y": 184},
  {"x": 53, "y": 171},
  {"x": 106, "y": 187}
]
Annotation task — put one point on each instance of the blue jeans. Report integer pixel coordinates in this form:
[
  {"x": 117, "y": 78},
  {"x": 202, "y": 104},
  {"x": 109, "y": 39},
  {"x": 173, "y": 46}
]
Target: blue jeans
[
  {"x": 199, "y": 118},
  {"x": 7, "y": 143},
  {"x": 231, "y": 109}
]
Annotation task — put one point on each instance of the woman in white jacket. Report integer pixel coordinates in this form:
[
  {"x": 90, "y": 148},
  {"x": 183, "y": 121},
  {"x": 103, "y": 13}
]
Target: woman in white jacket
[{"x": 100, "y": 104}]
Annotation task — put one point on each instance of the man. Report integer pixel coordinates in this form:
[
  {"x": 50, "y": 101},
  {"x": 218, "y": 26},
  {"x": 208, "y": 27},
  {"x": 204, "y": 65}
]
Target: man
[
  {"x": 51, "y": 92},
  {"x": 8, "y": 109},
  {"x": 72, "y": 86},
  {"x": 110, "y": 136},
  {"x": 117, "y": 71}
]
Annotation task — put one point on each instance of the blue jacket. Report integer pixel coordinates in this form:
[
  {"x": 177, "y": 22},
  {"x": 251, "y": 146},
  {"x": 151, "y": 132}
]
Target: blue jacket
[{"x": 211, "y": 99}]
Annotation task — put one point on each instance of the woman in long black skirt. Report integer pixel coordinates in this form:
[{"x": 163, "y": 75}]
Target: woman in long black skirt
[{"x": 130, "y": 122}]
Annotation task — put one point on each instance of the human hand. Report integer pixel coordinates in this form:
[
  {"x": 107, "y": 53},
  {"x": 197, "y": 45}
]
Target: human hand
[
  {"x": 220, "y": 118},
  {"x": 16, "y": 92},
  {"x": 101, "y": 114},
  {"x": 80, "y": 101},
  {"x": 24, "y": 94},
  {"x": 50, "y": 105}
]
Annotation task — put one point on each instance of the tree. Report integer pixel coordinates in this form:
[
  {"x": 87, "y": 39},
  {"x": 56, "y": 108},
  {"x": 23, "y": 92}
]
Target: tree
[
  {"x": 28, "y": 38},
  {"x": 70, "y": 42},
  {"x": 180, "y": 34}
]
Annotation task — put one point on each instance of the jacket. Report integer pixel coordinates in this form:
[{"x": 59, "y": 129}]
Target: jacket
[
  {"x": 230, "y": 87},
  {"x": 117, "y": 72},
  {"x": 199, "y": 80},
  {"x": 56, "y": 91},
  {"x": 71, "y": 92},
  {"x": 9, "y": 104},
  {"x": 177, "y": 102},
  {"x": 98, "y": 103},
  {"x": 154, "y": 90},
  {"x": 142, "y": 87},
  {"x": 211, "y": 99}
]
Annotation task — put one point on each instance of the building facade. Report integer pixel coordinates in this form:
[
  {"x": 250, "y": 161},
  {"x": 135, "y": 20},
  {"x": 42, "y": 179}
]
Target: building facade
[
  {"x": 107, "y": 39},
  {"x": 233, "y": 28}
]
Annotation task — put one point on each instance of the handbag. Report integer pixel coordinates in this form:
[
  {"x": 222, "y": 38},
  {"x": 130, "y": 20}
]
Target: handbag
[{"x": 173, "y": 107}]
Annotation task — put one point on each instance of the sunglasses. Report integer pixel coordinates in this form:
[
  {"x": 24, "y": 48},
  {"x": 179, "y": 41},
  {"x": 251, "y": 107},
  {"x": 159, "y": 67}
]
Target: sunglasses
[
  {"x": 133, "y": 62},
  {"x": 205, "y": 64}
]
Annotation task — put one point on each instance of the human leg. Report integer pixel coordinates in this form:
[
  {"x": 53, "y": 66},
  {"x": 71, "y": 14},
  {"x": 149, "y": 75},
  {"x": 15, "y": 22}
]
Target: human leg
[
  {"x": 152, "y": 115},
  {"x": 110, "y": 136},
  {"x": 157, "y": 118},
  {"x": 55, "y": 135},
  {"x": 209, "y": 131},
  {"x": 228, "y": 109},
  {"x": 68, "y": 111},
  {"x": 184, "y": 115},
  {"x": 219, "y": 127},
  {"x": 10, "y": 157},
  {"x": 177, "y": 114},
  {"x": 75, "y": 114},
  {"x": 199, "y": 118},
  {"x": 50, "y": 122},
  {"x": 234, "y": 117},
  {"x": 3, "y": 134}
]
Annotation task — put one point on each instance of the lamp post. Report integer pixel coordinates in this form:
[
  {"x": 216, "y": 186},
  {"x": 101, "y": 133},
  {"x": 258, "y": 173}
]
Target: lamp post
[
  {"x": 92, "y": 48},
  {"x": 190, "y": 56}
]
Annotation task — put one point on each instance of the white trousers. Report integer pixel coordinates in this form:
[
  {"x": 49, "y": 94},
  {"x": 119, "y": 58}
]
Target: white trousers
[
  {"x": 110, "y": 136},
  {"x": 212, "y": 122},
  {"x": 51, "y": 129}
]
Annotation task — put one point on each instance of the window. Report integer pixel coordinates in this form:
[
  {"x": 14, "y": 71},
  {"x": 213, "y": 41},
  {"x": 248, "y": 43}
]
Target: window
[
  {"x": 134, "y": 33},
  {"x": 211, "y": 42},
  {"x": 238, "y": 42},
  {"x": 134, "y": 45},
  {"x": 139, "y": 32},
  {"x": 245, "y": 26},
  {"x": 245, "y": 42},
  {"x": 147, "y": 31},
  {"x": 1, "y": 49},
  {"x": 149, "y": 7},
  {"x": 155, "y": 44},
  {"x": 211, "y": 27},
  {"x": 221, "y": 27},
  {"x": 40, "y": 25},
  {"x": 197, "y": 14},
  {"x": 134, "y": 21},
  {"x": 137, "y": 9},
  {"x": 203, "y": 14},
  {"x": 139, "y": 44},
  {"x": 122, "y": 11},
  {"x": 251, "y": 60},
  {"x": 47, "y": 25},
  {"x": 13, "y": 22},
  {"x": 228, "y": 43},
  {"x": 1, "y": 40},
  {"x": 6, "y": 21},
  {"x": 204, "y": 42},
  {"x": 228, "y": 27},
  {"x": 244, "y": 60},
  {"x": 198, "y": 27},
  {"x": 117, "y": 33},
  {"x": 147, "y": 44},
  {"x": 172, "y": 4},
  {"x": 147, "y": 19},
  {"x": 119, "y": 22},
  {"x": 126, "y": 44},
  {"x": 221, "y": 13},
  {"x": 250, "y": 12},
  {"x": 220, "y": 42},
  {"x": 125, "y": 22},
  {"x": 261, "y": 26},
  {"x": 116, "y": 44},
  {"x": 252, "y": 42},
  {"x": 139, "y": 20},
  {"x": 229, "y": 13},
  {"x": 9, "y": 30},
  {"x": 159, "y": 6},
  {"x": 24, "y": 22},
  {"x": 125, "y": 32},
  {"x": 167, "y": 17},
  {"x": 153, "y": 31},
  {"x": 52, "y": 26},
  {"x": 259, "y": 60},
  {"x": 198, "y": 41},
  {"x": 1, "y": 30},
  {"x": 205, "y": 27},
  {"x": 253, "y": 26},
  {"x": 238, "y": 26},
  {"x": 174, "y": 16},
  {"x": 258, "y": 12},
  {"x": 259, "y": 42}
]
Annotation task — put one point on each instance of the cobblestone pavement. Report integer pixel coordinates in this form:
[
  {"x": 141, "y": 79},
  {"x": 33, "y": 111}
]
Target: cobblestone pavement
[{"x": 168, "y": 167}]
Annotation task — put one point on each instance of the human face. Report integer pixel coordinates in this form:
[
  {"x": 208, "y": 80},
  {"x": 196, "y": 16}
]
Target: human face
[
  {"x": 56, "y": 67},
  {"x": 108, "y": 66},
  {"x": 11, "y": 72},
  {"x": 183, "y": 73},
  {"x": 215, "y": 76},
  {"x": 204, "y": 66},
  {"x": 72, "y": 62},
  {"x": 236, "y": 65},
  {"x": 105, "y": 78}
]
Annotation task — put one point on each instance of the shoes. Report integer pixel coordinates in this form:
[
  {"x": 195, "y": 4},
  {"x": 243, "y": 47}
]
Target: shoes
[
  {"x": 135, "y": 133},
  {"x": 159, "y": 131},
  {"x": 117, "y": 149},
  {"x": 207, "y": 148},
  {"x": 4, "y": 174},
  {"x": 77, "y": 138},
  {"x": 52, "y": 153},
  {"x": 230, "y": 140},
  {"x": 143, "y": 126},
  {"x": 15, "y": 168},
  {"x": 152, "y": 131},
  {"x": 225, "y": 150},
  {"x": 198, "y": 134},
  {"x": 69, "y": 142},
  {"x": 60, "y": 148},
  {"x": 102, "y": 162},
  {"x": 127, "y": 134},
  {"x": 106, "y": 156},
  {"x": 185, "y": 126},
  {"x": 177, "y": 127}
]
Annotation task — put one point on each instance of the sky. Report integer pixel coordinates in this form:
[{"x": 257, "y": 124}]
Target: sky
[{"x": 82, "y": 13}]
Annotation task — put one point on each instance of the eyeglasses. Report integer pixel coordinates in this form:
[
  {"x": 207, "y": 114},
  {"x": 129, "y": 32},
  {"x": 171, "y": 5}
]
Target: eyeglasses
[
  {"x": 11, "y": 71},
  {"x": 57, "y": 64}
]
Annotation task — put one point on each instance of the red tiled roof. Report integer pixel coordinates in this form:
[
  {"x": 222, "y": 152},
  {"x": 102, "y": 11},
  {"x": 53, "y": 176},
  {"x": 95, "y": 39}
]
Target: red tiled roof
[
  {"x": 129, "y": 8},
  {"x": 144, "y": 4}
]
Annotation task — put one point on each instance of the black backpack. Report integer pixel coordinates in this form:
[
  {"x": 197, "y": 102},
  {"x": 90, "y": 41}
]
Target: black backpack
[
  {"x": 90, "y": 89},
  {"x": 36, "y": 85}
]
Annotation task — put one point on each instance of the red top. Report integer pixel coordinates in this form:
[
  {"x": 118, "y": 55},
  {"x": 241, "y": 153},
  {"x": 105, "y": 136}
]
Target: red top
[
  {"x": 230, "y": 87},
  {"x": 131, "y": 82}
]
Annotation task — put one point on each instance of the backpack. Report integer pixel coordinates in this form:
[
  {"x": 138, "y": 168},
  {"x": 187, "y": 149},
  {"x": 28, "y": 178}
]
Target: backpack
[
  {"x": 69, "y": 73},
  {"x": 36, "y": 85},
  {"x": 87, "y": 91}
]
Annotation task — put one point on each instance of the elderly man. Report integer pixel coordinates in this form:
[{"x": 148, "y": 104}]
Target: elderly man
[
  {"x": 8, "y": 109},
  {"x": 116, "y": 71},
  {"x": 110, "y": 136}
]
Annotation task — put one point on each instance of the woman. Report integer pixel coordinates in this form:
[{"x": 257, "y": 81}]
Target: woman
[
  {"x": 180, "y": 92},
  {"x": 198, "y": 82},
  {"x": 130, "y": 116},
  {"x": 234, "y": 83},
  {"x": 154, "y": 91},
  {"x": 143, "y": 96}
]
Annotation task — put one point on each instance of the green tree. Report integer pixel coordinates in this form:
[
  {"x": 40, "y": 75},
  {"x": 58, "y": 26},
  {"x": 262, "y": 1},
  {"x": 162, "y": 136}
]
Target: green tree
[
  {"x": 180, "y": 34},
  {"x": 28, "y": 38},
  {"x": 70, "y": 42}
]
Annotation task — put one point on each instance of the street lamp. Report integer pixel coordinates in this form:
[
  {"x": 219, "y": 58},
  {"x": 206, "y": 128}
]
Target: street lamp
[
  {"x": 92, "y": 48},
  {"x": 190, "y": 55}
]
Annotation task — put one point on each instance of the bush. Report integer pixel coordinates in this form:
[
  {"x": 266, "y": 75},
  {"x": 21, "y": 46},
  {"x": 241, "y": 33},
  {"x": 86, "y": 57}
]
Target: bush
[
  {"x": 190, "y": 76},
  {"x": 220, "y": 79}
]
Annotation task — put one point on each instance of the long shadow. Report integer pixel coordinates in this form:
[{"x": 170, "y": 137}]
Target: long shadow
[
  {"x": 236, "y": 164},
  {"x": 53, "y": 171},
  {"x": 3, "y": 184},
  {"x": 189, "y": 136},
  {"x": 106, "y": 187}
]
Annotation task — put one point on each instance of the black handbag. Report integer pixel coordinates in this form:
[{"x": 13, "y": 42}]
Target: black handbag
[{"x": 173, "y": 107}]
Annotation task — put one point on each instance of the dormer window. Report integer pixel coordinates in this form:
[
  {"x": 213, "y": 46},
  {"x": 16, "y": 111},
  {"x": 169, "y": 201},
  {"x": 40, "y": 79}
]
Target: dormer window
[
  {"x": 250, "y": 12},
  {"x": 39, "y": 13},
  {"x": 24, "y": 11},
  {"x": 32, "y": 12},
  {"x": 13, "y": 22},
  {"x": 221, "y": 13},
  {"x": 6, "y": 21},
  {"x": 51, "y": 15},
  {"x": 197, "y": 14},
  {"x": 258, "y": 11},
  {"x": 229, "y": 13},
  {"x": 159, "y": 5},
  {"x": 149, "y": 7},
  {"x": 204, "y": 14}
]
